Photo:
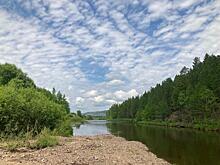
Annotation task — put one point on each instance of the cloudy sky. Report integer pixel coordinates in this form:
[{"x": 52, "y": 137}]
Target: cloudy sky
[{"x": 99, "y": 52}]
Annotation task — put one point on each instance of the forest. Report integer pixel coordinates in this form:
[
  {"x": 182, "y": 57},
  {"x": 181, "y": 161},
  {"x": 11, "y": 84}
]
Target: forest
[
  {"x": 190, "y": 99},
  {"x": 26, "y": 108}
]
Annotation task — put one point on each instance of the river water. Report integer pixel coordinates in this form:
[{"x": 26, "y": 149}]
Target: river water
[{"x": 176, "y": 145}]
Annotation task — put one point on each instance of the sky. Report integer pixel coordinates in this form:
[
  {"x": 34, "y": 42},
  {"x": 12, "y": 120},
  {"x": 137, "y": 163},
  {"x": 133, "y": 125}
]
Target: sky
[{"x": 101, "y": 52}]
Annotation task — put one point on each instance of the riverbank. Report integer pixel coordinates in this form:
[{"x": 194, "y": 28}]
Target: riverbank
[
  {"x": 208, "y": 125},
  {"x": 203, "y": 126},
  {"x": 94, "y": 150}
]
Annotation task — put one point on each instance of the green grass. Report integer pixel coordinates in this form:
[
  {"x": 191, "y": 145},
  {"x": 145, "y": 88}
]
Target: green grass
[
  {"x": 199, "y": 125},
  {"x": 45, "y": 140},
  {"x": 13, "y": 145},
  {"x": 121, "y": 119}
]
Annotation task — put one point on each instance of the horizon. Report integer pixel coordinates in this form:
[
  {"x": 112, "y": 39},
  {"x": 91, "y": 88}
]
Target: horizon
[{"x": 102, "y": 52}]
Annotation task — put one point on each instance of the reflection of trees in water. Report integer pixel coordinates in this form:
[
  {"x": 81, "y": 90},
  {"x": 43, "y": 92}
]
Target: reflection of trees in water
[
  {"x": 181, "y": 146},
  {"x": 91, "y": 128}
]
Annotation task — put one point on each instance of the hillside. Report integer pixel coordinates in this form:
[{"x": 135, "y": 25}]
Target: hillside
[{"x": 191, "y": 99}]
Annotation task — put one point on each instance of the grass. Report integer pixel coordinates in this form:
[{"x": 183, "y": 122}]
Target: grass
[
  {"x": 43, "y": 140},
  {"x": 13, "y": 145},
  {"x": 46, "y": 138},
  {"x": 121, "y": 119},
  {"x": 199, "y": 125}
]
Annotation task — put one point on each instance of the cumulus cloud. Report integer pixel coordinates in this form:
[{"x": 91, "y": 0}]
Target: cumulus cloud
[
  {"x": 115, "y": 82},
  {"x": 103, "y": 52},
  {"x": 98, "y": 99},
  {"x": 91, "y": 93},
  {"x": 121, "y": 95}
]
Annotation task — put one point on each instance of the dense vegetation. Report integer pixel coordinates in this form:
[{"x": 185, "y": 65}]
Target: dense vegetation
[
  {"x": 24, "y": 107},
  {"x": 95, "y": 115},
  {"x": 192, "y": 99}
]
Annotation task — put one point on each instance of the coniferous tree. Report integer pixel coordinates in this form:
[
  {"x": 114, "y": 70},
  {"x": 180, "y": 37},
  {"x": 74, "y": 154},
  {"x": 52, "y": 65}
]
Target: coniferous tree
[{"x": 193, "y": 95}]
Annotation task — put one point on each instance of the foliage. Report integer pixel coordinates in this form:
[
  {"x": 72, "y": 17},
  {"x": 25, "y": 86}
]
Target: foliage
[
  {"x": 26, "y": 108},
  {"x": 89, "y": 117},
  {"x": 65, "y": 128},
  {"x": 79, "y": 113},
  {"x": 193, "y": 95},
  {"x": 74, "y": 118},
  {"x": 10, "y": 72}
]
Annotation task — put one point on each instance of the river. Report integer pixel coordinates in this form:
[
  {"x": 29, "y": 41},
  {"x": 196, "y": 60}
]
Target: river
[{"x": 176, "y": 145}]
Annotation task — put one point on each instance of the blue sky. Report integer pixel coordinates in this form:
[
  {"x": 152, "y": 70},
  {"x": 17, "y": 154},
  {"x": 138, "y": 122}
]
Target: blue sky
[{"x": 100, "y": 52}]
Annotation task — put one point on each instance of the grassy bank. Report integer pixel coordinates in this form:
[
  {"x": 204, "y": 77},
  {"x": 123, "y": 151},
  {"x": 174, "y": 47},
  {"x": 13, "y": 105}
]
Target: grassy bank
[
  {"x": 46, "y": 138},
  {"x": 121, "y": 119},
  {"x": 206, "y": 125},
  {"x": 31, "y": 116},
  {"x": 199, "y": 125}
]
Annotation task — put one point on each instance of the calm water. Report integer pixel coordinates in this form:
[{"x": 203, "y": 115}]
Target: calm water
[
  {"x": 94, "y": 127},
  {"x": 179, "y": 146}
]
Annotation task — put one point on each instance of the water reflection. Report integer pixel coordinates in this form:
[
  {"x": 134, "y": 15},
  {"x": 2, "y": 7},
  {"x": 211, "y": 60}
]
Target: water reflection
[
  {"x": 89, "y": 128},
  {"x": 179, "y": 146}
]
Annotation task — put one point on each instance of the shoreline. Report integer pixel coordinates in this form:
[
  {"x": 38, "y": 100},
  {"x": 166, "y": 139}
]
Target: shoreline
[
  {"x": 85, "y": 150},
  {"x": 200, "y": 126}
]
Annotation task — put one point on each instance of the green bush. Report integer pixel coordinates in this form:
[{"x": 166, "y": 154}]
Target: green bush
[
  {"x": 24, "y": 110},
  {"x": 27, "y": 108},
  {"x": 64, "y": 129}
]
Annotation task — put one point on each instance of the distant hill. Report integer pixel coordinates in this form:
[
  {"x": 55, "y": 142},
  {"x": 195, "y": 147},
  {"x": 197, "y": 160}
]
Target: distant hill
[{"x": 96, "y": 113}]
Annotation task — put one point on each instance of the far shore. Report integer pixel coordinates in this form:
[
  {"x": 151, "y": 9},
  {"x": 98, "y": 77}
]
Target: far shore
[{"x": 85, "y": 150}]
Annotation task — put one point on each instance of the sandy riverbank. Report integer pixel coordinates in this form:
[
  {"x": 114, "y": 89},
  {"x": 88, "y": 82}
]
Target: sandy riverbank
[{"x": 95, "y": 150}]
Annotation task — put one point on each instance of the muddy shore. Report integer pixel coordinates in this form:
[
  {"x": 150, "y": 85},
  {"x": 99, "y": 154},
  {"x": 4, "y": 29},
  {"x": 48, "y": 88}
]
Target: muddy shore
[{"x": 94, "y": 150}]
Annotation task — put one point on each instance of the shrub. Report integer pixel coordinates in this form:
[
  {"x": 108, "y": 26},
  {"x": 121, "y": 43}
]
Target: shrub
[
  {"x": 24, "y": 107},
  {"x": 24, "y": 110},
  {"x": 64, "y": 129}
]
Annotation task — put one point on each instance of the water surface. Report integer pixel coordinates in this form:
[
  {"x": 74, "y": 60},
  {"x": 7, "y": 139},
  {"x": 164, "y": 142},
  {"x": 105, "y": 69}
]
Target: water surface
[
  {"x": 90, "y": 128},
  {"x": 176, "y": 145}
]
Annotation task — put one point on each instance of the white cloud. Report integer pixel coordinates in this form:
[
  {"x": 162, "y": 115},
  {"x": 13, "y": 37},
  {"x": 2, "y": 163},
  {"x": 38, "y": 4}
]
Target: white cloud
[
  {"x": 115, "y": 82},
  {"x": 98, "y": 99},
  {"x": 111, "y": 102},
  {"x": 185, "y": 4},
  {"x": 101, "y": 57},
  {"x": 91, "y": 93},
  {"x": 122, "y": 95}
]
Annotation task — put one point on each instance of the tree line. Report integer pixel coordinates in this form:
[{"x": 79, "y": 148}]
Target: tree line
[{"x": 192, "y": 96}]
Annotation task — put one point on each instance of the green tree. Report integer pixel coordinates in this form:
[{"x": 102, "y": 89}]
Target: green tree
[
  {"x": 79, "y": 113},
  {"x": 25, "y": 107},
  {"x": 193, "y": 95}
]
